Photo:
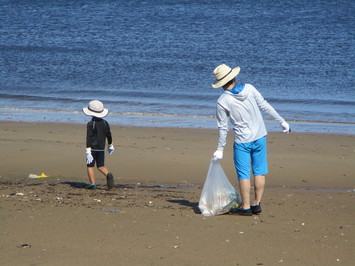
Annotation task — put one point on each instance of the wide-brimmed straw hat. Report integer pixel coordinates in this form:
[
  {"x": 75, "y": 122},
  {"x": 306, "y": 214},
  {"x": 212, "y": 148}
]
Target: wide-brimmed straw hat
[
  {"x": 223, "y": 74},
  {"x": 95, "y": 108}
]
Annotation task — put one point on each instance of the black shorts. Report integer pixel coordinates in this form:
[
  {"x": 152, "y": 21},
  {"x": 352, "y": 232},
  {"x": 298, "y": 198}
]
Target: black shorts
[{"x": 99, "y": 158}]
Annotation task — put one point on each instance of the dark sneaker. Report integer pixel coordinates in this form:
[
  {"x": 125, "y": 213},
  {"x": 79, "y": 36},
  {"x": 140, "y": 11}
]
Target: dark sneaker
[
  {"x": 256, "y": 209},
  {"x": 109, "y": 179},
  {"x": 240, "y": 211},
  {"x": 92, "y": 186}
]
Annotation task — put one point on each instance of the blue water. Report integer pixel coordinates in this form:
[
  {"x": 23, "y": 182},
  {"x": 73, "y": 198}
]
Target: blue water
[{"x": 151, "y": 62}]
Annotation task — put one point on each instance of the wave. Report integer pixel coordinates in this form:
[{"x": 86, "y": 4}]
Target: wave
[
  {"x": 33, "y": 48},
  {"x": 111, "y": 113},
  {"x": 152, "y": 114},
  {"x": 174, "y": 103},
  {"x": 109, "y": 95},
  {"x": 312, "y": 101},
  {"x": 37, "y": 97},
  {"x": 121, "y": 97}
]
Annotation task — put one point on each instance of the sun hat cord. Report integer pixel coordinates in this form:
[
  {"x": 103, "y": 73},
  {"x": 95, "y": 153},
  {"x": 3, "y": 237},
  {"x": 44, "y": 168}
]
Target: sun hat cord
[
  {"x": 94, "y": 110},
  {"x": 225, "y": 75}
]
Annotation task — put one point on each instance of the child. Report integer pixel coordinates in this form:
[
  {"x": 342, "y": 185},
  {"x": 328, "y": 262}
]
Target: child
[{"x": 97, "y": 131}]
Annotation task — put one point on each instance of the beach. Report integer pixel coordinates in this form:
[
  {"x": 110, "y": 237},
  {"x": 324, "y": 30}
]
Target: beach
[
  {"x": 151, "y": 216},
  {"x": 155, "y": 79}
]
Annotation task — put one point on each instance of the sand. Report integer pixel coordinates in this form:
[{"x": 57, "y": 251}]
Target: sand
[{"x": 151, "y": 216}]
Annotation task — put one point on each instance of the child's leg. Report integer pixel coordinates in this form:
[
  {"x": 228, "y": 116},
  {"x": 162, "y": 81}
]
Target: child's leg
[
  {"x": 100, "y": 162},
  {"x": 103, "y": 169},
  {"x": 109, "y": 177},
  {"x": 91, "y": 174}
]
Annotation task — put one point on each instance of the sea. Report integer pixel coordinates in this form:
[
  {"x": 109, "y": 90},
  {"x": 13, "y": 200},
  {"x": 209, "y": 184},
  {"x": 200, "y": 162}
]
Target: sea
[{"x": 151, "y": 62}]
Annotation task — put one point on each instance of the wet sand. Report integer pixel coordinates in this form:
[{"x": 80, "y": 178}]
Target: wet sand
[{"x": 151, "y": 216}]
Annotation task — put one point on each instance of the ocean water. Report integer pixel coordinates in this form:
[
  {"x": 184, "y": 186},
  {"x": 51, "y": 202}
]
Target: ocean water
[{"x": 151, "y": 62}]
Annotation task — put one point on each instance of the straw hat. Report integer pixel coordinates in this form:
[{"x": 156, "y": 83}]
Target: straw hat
[
  {"x": 223, "y": 74},
  {"x": 95, "y": 108}
]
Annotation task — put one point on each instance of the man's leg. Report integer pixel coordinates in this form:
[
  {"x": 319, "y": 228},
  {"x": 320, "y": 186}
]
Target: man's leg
[
  {"x": 242, "y": 165},
  {"x": 259, "y": 187},
  {"x": 260, "y": 168},
  {"x": 244, "y": 185}
]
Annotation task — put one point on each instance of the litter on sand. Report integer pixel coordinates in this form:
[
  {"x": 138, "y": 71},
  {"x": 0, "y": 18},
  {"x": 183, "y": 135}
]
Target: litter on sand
[
  {"x": 24, "y": 246},
  {"x": 114, "y": 211},
  {"x": 43, "y": 175}
]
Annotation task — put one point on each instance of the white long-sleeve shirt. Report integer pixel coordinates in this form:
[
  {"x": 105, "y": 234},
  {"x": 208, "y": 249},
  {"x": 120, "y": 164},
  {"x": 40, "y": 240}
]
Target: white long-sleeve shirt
[{"x": 243, "y": 111}]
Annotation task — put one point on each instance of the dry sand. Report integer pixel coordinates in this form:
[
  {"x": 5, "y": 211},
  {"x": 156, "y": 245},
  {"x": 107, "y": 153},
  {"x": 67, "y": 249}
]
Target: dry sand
[{"x": 151, "y": 216}]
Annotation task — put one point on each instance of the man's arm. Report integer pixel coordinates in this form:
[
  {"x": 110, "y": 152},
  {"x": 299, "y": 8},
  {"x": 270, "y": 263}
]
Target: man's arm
[
  {"x": 267, "y": 108},
  {"x": 222, "y": 123}
]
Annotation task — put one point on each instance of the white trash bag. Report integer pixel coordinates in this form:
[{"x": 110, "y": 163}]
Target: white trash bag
[{"x": 218, "y": 195}]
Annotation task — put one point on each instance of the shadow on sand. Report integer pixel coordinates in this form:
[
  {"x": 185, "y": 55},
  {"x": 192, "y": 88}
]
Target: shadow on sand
[
  {"x": 99, "y": 187},
  {"x": 76, "y": 184},
  {"x": 192, "y": 205}
]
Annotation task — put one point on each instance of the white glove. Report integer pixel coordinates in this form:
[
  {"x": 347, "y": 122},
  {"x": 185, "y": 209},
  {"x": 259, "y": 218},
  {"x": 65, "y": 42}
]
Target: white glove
[
  {"x": 218, "y": 154},
  {"x": 89, "y": 157},
  {"x": 110, "y": 149},
  {"x": 285, "y": 127}
]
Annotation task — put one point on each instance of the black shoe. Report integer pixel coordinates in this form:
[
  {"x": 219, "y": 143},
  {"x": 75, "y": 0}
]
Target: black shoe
[
  {"x": 240, "y": 211},
  {"x": 109, "y": 180},
  {"x": 256, "y": 209}
]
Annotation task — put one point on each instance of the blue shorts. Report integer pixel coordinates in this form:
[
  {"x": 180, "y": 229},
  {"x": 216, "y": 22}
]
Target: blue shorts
[
  {"x": 99, "y": 158},
  {"x": 255, "y": 152}
]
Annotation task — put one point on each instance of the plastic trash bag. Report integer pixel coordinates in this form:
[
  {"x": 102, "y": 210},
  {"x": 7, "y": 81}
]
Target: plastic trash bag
[{"x": 218, "y": 195}]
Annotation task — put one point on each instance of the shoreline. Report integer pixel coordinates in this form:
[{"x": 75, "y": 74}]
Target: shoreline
[
  {"x": 169, "y": 120},
  {"x": 154, "y": 115}
]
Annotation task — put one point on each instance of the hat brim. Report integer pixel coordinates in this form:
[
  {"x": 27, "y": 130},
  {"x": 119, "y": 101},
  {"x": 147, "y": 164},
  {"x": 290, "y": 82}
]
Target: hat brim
[
  {"x": 91, "y": 113},
  {"x": 219, "y": 83}
]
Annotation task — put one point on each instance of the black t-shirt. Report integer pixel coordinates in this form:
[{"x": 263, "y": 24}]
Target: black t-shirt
[{"x": 98, "y": 130}]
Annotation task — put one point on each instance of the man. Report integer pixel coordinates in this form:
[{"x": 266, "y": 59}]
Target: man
[{"x": 241, "y": 104}]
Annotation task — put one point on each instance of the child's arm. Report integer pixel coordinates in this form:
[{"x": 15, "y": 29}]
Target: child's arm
[
  {"x": 110, "y": 147},
  {"x": 89, "y": 138},
  {"x": 108, "y": 134}
]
